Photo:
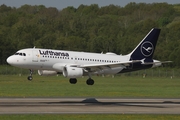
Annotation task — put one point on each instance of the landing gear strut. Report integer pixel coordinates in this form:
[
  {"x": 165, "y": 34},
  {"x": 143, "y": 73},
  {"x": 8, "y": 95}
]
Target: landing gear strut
[
  {"x": 89, "y": 80},
  {"x": 30, "y": 76}
]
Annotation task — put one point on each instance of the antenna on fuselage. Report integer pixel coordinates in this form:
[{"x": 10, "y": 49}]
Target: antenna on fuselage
[{"x": 34, "y": 47}]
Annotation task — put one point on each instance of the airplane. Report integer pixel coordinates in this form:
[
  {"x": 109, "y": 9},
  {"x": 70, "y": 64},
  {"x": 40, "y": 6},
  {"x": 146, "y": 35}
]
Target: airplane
[{"x": 74, "y": 64}]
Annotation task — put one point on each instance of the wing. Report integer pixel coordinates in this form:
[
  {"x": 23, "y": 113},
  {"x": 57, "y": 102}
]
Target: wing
[{"x": 95, "y": 67}]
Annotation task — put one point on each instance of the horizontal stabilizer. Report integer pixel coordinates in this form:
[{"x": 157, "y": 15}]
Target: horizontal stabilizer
[{"x": 151, "y": 63}]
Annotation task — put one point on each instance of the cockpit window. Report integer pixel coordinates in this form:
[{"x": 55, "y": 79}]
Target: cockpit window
[
  {"x": 16, "y": 54},
  {"x": 21, "y": 54}
]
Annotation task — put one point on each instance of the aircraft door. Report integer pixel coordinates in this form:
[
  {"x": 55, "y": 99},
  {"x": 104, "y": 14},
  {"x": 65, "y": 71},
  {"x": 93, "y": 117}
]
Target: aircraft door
[{"x": 34, "y": 56}]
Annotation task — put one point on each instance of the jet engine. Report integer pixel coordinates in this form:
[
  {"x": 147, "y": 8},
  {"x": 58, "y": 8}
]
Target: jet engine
[
  {"x": 47, "y": 72},
  {"x": 72, "y": 72}
]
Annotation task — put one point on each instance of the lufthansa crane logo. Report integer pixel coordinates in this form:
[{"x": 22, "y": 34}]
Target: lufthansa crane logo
[{"x": 147, "y": 48}]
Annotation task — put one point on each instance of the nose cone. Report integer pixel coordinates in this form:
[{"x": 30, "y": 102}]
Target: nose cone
[
  {"x": 15, "y": 60},
  {"x": 10, "y": 60}
]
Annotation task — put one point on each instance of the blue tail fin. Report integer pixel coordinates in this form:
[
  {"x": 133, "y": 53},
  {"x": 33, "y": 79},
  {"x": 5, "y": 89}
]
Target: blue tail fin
[{"x": 145, "y": 49}]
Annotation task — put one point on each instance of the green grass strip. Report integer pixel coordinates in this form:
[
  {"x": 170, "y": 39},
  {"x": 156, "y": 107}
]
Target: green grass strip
[
  {"x": 119, "y": 86},
  {"x": 89, "y": 117}
]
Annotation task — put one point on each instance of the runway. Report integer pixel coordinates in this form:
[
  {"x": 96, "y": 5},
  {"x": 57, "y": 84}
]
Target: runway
[{"x": 88, "y": 106}]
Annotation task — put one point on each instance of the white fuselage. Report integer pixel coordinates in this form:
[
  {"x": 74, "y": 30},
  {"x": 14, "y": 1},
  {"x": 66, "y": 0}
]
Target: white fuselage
[{"x": 45, "y": 59}]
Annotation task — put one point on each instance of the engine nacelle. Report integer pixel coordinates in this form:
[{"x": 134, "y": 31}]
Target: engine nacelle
[
  {"x": 72, "y": 72},
  {"x": 47, "y": 72}
]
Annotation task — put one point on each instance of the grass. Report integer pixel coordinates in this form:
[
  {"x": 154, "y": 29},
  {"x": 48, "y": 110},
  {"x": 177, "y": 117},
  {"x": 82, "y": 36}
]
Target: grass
[
  {"x": 120, "y": 86},
  {"x": 90, "y": 117}
]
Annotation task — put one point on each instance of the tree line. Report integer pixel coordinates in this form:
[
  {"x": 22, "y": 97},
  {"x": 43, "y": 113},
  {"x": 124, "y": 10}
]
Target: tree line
[{"x": 90, "y": 28}]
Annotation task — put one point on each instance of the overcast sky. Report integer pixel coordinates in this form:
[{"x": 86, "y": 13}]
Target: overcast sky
[{"x": 60, "y": 4}]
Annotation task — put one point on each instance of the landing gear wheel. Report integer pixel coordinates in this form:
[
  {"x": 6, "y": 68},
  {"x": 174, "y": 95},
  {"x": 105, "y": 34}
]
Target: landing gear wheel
[
  {"x": 30, "y": 78},
  {"x": 73, "y": 80},
  {"x": 90, "y": 81}
]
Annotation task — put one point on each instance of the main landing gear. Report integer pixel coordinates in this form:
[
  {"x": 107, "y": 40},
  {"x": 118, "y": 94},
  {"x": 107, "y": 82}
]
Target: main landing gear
[
  {"x": 73, "y": 80},
  {"x": 88, "y": 82},
  {"x": 30, "y": 76}
]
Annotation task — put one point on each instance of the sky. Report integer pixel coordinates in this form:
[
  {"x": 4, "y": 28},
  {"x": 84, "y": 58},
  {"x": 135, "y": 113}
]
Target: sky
[{"x": 60, "y": 4}]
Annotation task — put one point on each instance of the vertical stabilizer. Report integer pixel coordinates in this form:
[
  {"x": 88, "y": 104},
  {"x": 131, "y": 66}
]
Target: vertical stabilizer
[{"x": 145, "y": 49}]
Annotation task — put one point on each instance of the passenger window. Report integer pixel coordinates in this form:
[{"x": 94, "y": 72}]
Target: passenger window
[{"x": 24, "y": 54}]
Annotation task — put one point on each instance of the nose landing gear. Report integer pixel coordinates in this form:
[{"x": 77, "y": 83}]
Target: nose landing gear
[{"x": 30, "y": 76}]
